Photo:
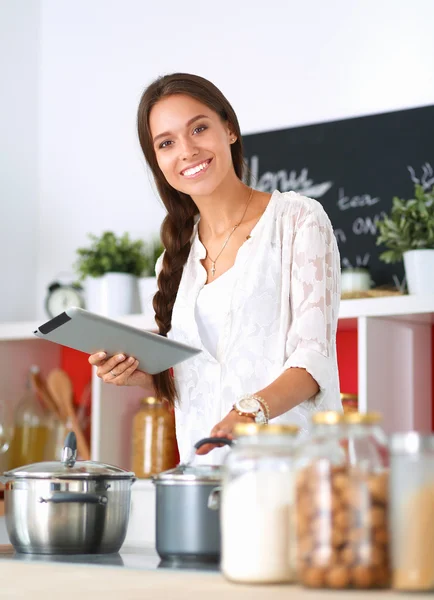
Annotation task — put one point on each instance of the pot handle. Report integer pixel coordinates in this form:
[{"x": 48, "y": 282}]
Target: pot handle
[
  {"x": 70, "y": 497},
  {"x": 214, "y": 498},
  {"x": 213, "y": 440}
]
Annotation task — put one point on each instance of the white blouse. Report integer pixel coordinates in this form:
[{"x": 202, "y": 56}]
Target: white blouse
[
  {"x": 282, "y": 313},
  {"x": 212, "y": 307}
]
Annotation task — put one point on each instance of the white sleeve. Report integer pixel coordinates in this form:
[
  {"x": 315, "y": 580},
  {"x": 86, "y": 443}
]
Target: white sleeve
[
  {"x": 314, "y": 299},
  {"x": 159, "y": 265}
]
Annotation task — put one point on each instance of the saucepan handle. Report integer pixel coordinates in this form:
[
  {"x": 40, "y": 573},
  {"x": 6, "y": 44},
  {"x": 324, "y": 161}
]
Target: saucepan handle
[
  {"x": 214, "y": 498},
  {"x": 213, "y": 440},
  {"x": 71, "y": 497}
]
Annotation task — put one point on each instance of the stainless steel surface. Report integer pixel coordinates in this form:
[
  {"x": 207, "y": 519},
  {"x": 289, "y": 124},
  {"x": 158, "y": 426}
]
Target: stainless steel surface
[
  {"x": 66, "y": 517},
  {"x": 85, "y": 469},
  {"x": 188, "y": 473},
  {"x": 411, "y": 443},
  {"x": 186, "y": 529}
]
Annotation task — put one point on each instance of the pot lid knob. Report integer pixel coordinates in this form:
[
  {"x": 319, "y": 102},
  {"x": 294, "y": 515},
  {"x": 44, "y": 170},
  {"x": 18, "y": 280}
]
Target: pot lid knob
[{"x": 69, "y": 454}]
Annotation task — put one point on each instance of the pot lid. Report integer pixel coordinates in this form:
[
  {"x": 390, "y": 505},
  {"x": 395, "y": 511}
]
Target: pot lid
[
  {"x": 68, "y": 468},
  {"x": 184, "y": 473}
]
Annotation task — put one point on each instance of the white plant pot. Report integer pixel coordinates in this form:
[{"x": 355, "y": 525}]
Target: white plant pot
[
  {"x": 419, "y": 271},
  {"x": 112, "y": 295},
  {"x": 147, "y": 289}
]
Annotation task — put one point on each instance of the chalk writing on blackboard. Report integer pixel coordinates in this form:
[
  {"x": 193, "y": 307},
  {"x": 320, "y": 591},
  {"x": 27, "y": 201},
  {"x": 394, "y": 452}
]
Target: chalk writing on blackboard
[
  {"x": 427, "y": 179},
  {"x": 285, "y": 181}
]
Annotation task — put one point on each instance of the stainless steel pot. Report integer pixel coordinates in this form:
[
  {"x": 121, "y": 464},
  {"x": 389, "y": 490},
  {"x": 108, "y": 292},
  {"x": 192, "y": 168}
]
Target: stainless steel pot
[
  {"x": 188, "y": 517},
  {"x": 67, "y": 507}
]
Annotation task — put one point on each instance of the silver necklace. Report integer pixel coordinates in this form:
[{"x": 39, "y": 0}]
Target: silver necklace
[{"x": 213, "y": 262}]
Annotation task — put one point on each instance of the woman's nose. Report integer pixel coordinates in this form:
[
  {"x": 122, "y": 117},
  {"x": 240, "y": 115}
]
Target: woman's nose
[{"x": 187, "y": 149}]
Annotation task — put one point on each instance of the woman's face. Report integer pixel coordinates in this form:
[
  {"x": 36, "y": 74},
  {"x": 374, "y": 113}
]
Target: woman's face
[{"x": 191, "y": 143}]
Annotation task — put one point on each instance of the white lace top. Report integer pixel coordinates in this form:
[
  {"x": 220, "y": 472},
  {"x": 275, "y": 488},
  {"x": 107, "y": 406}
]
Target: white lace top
[{"x": 282, "y": 313}]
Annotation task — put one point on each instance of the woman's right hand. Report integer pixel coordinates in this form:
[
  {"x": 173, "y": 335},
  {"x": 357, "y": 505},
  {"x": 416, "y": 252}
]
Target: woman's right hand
[{"x": 121, "y": 370}]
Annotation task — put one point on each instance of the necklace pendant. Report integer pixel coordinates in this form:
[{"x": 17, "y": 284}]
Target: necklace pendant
[{"x": 213, "y": 269}]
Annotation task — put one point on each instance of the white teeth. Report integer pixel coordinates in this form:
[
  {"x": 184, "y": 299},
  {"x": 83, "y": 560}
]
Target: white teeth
[{"x": 195, "y": 170}]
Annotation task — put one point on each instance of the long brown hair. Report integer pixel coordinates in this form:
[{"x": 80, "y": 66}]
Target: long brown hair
[{"x": 177, "y": 226}]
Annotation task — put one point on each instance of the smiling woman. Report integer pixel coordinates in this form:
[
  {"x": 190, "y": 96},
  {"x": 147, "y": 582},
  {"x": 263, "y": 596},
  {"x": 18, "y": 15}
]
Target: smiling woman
[{"x": 249, "y": 277}]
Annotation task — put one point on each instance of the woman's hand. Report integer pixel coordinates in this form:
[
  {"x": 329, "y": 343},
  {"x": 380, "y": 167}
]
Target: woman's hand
[
  {"x": 224, "y": 429},
  {"x": 121, "y": 370}
]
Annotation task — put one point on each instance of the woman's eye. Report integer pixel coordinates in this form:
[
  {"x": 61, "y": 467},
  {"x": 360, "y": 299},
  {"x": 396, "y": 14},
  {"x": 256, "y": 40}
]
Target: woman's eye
[
  {"x": 165, "y": 144},
  {"x": 199, "y": 129}
]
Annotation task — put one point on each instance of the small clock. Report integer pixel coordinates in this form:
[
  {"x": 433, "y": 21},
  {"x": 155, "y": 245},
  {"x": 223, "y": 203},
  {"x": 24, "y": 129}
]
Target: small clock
[{"x": 61, "y": 296}]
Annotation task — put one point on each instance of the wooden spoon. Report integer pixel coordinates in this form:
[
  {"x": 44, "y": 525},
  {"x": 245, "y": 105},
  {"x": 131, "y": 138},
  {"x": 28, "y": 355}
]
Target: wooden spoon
[
  {"x": 60, "y": 386},
  {"x": 40, "y": 388}
]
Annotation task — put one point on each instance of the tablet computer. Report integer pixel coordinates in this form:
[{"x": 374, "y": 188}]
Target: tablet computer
[{"x": 86, "y": 331}]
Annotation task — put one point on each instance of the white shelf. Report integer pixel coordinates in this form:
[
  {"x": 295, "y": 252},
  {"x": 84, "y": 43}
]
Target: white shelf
[
  {"x": 390, "y": 306},
  {"x": 23, "y": 330}
]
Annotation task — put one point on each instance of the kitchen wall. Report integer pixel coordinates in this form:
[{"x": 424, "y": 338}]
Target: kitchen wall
[
  {"x": 19, "y": 152},
  {"x": 280, "y": 63}
]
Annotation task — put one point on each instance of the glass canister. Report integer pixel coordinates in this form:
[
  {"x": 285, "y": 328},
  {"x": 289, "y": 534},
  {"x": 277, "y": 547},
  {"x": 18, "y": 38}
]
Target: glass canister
[
  {"x": 154, "y": 439},
  {"x": 342, "y": 503},
  {"x": 32, "y": 425},
  {"x": 412, "y": 511},
  {"x": 258, "y": 541}
]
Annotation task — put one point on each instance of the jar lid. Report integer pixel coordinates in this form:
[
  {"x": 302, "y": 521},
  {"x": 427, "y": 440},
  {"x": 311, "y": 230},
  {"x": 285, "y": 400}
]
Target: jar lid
[
  {"x": 411, "y": 442},
  {"x": 150, "y": 400},
  {"x": 242, "y": 429},
  {"x": 190, "y": 473},
  {"x": 327, "y": 417},
  {"x": 68, "y": 468},
  {"x": 331, "y": 417}
]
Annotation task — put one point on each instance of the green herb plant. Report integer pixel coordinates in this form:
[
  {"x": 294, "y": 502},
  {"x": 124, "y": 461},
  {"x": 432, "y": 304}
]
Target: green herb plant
[
  {"x": 109, "y": 253},
  {"x": 409, "y": 226}
]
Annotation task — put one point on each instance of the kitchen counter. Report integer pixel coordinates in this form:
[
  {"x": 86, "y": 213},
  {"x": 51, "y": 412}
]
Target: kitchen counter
[{"x": 142, "y": 577}]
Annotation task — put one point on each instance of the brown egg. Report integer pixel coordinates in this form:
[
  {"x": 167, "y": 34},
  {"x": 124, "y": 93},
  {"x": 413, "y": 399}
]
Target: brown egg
[
  {"x": 381, "y": 536},
  {"x": 362, "y": 577},
  {"x": 306, "y": 508},
  {"x": 305, "y": 547},
  {"x": 348, "y": 556},
  {"x": 378, "y": 486},
  {"x": 314, "y": 577},
  {"x": 371, "y": 555},
  {"x": 339, "y": 537},
  {"x": 382, "y": 576},
  {"x": 324, "y": 556},
  {"x": 375, "y": 517},
  {"x": 341, "y": 519},
  {"x": 340, "y": 482},
  {"x": 338, "y": 577}
]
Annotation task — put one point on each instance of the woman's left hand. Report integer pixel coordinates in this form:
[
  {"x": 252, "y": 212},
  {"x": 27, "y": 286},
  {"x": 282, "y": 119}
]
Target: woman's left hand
[{"x": 224, "y": 429}]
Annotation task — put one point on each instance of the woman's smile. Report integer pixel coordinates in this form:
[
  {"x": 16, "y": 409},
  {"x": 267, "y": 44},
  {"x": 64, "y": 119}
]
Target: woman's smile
[{"x": 196, "y": 170}]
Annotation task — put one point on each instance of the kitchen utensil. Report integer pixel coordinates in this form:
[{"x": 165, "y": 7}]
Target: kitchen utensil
[
  {"x": 40, "y": 388},
  {"x": 61, "y": 387},
  {"x": 67, "y": 507},
  {"x": 187, "y": 522}
]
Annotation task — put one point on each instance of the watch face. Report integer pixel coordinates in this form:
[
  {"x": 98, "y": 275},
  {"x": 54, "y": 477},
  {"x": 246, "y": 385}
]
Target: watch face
[
  {"x": 249, "y": 405},
  {"x": 62, "y": 298}
]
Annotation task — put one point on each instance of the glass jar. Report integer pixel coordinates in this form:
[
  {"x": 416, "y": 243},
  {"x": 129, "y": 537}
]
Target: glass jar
[
  {"x": 412, "y": 511},
  {"x": 257, "y": 505},
  {"x": 342, "y": 503},
  {"x": 32, "y": 426},
  {"x": 154, "y": 439}
]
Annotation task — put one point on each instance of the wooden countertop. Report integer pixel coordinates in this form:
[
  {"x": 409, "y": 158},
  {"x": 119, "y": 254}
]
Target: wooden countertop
[{"x": 40, "y": 581}]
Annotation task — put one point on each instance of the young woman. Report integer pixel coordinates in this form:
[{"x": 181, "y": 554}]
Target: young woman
[{"x": 251, "y": 278}]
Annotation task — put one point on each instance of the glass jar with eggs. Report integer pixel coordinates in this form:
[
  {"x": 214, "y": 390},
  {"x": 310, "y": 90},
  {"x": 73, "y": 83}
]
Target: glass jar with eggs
[{"x": 342, "y": 503}]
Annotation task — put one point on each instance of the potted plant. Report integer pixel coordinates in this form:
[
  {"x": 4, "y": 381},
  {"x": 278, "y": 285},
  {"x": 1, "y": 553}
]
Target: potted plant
[
  {"x": 408, "y": 233},
  {"x": 148, "y": 281},
  {"x": 110, "y": 268}
]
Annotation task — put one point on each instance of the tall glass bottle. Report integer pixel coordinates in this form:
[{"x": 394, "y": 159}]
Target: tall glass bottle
[{"x": 31, "y": 430}]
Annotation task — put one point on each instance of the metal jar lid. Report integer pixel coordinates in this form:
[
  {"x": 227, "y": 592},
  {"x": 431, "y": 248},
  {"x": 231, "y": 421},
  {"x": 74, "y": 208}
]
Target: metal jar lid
[
  {"x": 411, "y": 442},
  {"x": 68, "y": 468}
]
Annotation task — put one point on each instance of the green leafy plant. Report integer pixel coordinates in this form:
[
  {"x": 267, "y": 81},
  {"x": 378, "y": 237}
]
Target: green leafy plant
[
  {"x": 112, "y": 254},
  {"x": 410, "y": 225}
]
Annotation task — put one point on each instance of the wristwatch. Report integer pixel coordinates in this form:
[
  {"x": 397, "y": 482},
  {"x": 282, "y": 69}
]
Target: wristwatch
[{"x": 248, "y": 406}]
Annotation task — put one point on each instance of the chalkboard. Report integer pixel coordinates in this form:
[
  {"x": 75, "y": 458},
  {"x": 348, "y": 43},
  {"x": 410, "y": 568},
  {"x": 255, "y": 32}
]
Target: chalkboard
[{"x": 354, "y": 167}]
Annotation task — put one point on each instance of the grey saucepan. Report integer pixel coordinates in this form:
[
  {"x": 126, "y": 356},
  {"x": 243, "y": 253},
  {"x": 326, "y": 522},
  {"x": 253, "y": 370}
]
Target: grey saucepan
[
  {"x": 187, "y": 518},
  {"x": 67, "y": 507}
]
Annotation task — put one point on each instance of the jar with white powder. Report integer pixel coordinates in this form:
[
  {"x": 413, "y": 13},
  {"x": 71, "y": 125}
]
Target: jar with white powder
[{"x": 258, "y": 538}]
